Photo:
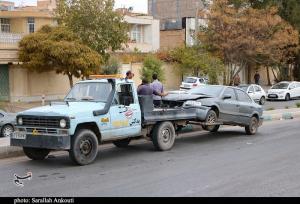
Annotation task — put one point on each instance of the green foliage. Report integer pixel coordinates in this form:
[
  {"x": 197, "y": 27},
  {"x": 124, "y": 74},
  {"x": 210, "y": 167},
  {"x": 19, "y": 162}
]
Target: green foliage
[
  {"x": 151, "y": 66},
  {"x": 95, "y": 22},
  {"x": 112, "y": 66},
  {"x": 198, "y": 62},
  {"x": 298, "y": 105},
  {"x": 58, "y": 49}
]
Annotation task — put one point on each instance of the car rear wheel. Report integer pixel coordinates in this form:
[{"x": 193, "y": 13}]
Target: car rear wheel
[
  {"x": 252, "y": 128},
  {"x": 211, "y": 118},
  {"x": 122, "y": 143},
  {"x": 84, "y": 147},
  {"x": 36, "y": 153},
  {"x": 163, "y": 136},
  {"x": 7, "y": 130},
  {"x": 287, "y": 97},
  {"x": 262, "y": 100}
]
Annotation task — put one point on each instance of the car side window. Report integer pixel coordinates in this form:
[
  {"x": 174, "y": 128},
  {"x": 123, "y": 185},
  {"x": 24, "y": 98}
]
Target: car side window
[
  {"x": 1, "y": 115},
  {"x": 201, "y": 81},
  {"x": 230, "y": 91},
  {"x": 243, "y": 97},
  {"x": 257, "y": 89},
  {"x": 292, "y": 86},
  {"x": 251, "y": 89},
  {"x": 124, "y": 95}
]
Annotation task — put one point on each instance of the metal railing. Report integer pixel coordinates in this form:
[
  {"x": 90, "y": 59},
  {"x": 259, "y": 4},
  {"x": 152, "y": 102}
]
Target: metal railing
[{"x": 9, "y": 40}]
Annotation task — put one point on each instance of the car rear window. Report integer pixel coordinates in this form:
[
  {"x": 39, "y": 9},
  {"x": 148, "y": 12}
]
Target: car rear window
[{"x": 190, "y": 80}]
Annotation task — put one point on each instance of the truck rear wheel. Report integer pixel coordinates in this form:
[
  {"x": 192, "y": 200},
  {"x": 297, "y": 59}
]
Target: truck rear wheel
[
  {"x": 84, "y": 147},
  {"x": 163, "y": 136},
  {"x": 122, "y": 143},
  {"x": 211, "y": 118},
  {"x": 36, "y": 153}
]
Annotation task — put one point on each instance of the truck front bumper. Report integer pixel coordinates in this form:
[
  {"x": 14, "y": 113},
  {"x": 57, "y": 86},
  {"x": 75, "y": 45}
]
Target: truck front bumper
[{"x": 43, "y": 141}]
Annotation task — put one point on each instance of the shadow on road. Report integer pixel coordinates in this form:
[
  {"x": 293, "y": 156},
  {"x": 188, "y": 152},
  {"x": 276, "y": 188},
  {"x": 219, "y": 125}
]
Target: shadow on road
[{"x": 61, "y": 160}]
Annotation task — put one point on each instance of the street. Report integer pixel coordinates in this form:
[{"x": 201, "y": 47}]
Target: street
[{"x": 228, "y": 163}]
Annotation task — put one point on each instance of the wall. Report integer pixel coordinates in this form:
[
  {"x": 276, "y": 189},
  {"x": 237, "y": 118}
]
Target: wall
[
  {"x": 30, "y": 86},
  {"x": 172, "y": 39},
  {"x": 172, "y": 75}
]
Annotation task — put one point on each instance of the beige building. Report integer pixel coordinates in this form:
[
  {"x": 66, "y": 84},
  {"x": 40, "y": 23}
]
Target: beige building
[{"x": 19, "y": 84}]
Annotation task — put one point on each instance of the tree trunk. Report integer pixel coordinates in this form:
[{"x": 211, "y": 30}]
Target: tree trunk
[
  {"x": 268, "y": 76},
  {"x": 70, "y": 76},
  {"x": 274, "y": 75}
]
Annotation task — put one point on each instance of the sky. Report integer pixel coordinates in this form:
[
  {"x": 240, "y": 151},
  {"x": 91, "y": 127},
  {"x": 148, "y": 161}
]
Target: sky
[{"x": 138, "y": 5}]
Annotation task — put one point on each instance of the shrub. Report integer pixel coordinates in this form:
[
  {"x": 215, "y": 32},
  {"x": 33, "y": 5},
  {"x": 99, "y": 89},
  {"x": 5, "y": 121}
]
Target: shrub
[{"x": 152, "y": 65}]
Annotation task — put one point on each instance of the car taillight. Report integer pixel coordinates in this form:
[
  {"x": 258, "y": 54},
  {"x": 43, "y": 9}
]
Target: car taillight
[{"x": 194, "y": 85}]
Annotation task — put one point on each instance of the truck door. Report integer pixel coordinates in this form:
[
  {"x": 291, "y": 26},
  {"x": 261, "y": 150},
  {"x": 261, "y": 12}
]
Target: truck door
[{"x": 125, "y": 114}]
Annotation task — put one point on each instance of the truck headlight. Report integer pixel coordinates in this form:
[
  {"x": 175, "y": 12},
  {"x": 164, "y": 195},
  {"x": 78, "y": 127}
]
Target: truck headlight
[
  {"x": 63, "y": 123},
  {"x": 20, "y": 121}
]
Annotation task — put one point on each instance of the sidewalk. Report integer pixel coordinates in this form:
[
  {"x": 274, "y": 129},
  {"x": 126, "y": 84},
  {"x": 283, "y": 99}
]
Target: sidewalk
[{"x": 7, "y": 151}]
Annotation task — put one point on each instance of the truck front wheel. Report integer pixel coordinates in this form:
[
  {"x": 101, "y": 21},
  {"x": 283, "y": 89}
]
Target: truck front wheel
[
  {"x": 84, "y": 147},
  {"x": 163, "y": 136},
  {"x": 36, "y": 153}
]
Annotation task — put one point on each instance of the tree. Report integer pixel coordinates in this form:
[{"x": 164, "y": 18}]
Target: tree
[
  {"x": 95, "y": 23},
  {"x": 152, "y": 65},
  {"x": 246, "y": 37},
  {"x": 197, "y": 61},
  {"x": 58, "y": 49},
  {"x": 112, "y": 66}
]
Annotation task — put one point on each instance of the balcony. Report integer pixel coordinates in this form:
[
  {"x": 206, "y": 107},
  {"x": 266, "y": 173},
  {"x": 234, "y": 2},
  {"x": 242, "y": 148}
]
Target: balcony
[
  {"x": 9, "y": 47},
  {"x": 10, "y": 40}
]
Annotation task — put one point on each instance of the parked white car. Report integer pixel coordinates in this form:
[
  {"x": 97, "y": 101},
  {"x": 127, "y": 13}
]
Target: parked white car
[
  {"x": 193, "y": 82},
  {"x": 284, "y": 91},
  {"x": 256, "y": 92}
]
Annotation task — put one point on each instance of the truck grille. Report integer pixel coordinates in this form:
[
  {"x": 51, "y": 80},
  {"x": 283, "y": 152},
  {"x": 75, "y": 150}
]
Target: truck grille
[
  {"x": 42, "y": 121},
  {"x": 42, "y": 130}
]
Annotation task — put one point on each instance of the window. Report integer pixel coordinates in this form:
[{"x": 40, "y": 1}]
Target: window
[
  {"x": 243, "y": 97},
  {"x": 230, "y": 91},
  {"x": 251, "y": 89},
  {"x": 5, "y": 25},
  {"x": 257, "y": 89},
  {"x": 124, "y": 95},
  {"x": 292, "y": 86},
  {"x": 136, "y": 34},
  {"x": 1, "y": 115},
  {"x": 31, "y": 25}
]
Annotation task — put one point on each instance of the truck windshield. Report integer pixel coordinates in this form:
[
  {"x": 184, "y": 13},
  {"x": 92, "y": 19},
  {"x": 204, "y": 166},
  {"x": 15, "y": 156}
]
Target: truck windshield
[{"x": 98, "y": 92}]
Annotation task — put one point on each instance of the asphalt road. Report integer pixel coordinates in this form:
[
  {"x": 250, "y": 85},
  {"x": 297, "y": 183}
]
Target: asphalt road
[{"x": 228, "y": 163}]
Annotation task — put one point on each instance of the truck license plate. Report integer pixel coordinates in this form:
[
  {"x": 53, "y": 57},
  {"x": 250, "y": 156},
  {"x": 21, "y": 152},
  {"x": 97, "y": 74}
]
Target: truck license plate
[{"x": 19, "y": 135}]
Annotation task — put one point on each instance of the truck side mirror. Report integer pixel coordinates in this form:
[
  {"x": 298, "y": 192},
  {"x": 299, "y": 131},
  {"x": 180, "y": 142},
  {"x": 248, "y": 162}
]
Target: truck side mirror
[{"x": 227, "y": 96}]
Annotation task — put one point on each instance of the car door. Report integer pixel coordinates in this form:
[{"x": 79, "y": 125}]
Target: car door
[
  {"x": 258, "y": 93},
  {"x": 251, "y": 92},
  {"x": 125, "y": 114},
  {"x": 229, "y": 108},
  {"x": 246, "y": 107},
  {"x": 293, "y": 90}
]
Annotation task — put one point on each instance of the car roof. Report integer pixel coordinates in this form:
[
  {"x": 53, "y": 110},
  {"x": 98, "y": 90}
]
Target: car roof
[{"x": 118, "y": 81}]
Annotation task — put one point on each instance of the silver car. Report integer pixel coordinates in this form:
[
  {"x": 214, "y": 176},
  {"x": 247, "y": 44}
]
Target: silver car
[{"x": 7, "y": 122}]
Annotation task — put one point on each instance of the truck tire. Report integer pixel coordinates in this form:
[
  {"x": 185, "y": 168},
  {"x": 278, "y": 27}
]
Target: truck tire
[
  {"x": 163, "y": 136},
  {"x": 211, "y": 117},
  {"x": 252, "y": 128},
  {"x": 36, "y": 153},
  {"x": 122, "y": 143},
  {"x": 84, "y": 147}
]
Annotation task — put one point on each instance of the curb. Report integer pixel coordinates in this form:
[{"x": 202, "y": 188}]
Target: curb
[
  {"x": 282, "y": 116},
  {"x": 8, "y": 152}
]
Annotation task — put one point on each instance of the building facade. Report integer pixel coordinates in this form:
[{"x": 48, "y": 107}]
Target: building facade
[{"x": 18, "y": 84}]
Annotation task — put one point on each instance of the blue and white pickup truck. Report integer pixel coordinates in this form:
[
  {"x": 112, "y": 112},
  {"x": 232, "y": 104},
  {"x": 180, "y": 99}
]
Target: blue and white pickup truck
[{"x": 104, "y": 109}]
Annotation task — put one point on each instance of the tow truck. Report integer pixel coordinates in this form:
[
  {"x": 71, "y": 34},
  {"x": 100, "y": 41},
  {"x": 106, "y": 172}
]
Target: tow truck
[{"x": 105, "y": 108}]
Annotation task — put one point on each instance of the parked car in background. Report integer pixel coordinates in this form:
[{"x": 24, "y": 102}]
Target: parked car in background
[
  {"x": 7, "y": 122},
  {"x": 229, "y": 106},
  {"x": 284, "y": 91},
  {"x": 256, "y": 92},
  {"x": 193, "y": 82}
]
